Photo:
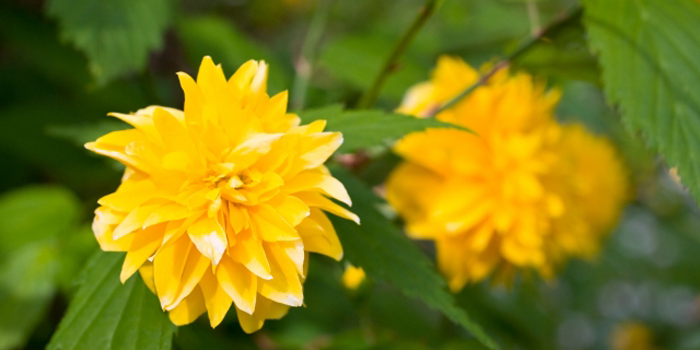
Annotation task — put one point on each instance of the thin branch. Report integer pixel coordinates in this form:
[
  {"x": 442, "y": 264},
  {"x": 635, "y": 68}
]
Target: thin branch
[
  {"x": 369, "y": 98},
  {"x": 552, "y": 29},
  {"x": 534, "y": 15},
  {"x": 307, "y": 57}
]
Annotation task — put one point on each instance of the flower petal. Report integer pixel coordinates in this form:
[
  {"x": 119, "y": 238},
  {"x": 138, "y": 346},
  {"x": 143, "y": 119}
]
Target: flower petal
[
  {"x": 239, "y": 283},
  {"x": 209, "y": 237},
  {"x": 189, "y": 309}
]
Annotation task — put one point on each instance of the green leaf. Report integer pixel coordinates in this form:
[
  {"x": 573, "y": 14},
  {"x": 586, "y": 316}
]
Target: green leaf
[
  {"x": 108, "y": 315},
  {"x": 217, "y": 38},
  {"x": 116, "y": 35},
  {"x": 649, "y": 53},
  {"x": 27, "y": 285},
  {"x": 385, "y": 254},
  {"x": 35, "y": 213},
  {"x": 368, "y": 128}
]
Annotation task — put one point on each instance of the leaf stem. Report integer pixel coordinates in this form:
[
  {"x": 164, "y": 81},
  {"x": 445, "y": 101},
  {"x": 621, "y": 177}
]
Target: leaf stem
[
  {"x": 553, "y": 28},
  {"x": 305, "y": 62},
  {"x": 369, "y": 98}
]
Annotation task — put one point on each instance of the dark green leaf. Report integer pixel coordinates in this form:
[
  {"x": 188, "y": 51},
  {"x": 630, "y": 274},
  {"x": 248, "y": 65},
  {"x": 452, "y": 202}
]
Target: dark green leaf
[
  {"x": 116, "y": 35},
  {"x": 649, "y": 53},
  {"x": 27, "y": 285},
  {"x": 385, "y": 254},
  {"x": 35, "y": 213},
  {"x": 108, "y": 315},
  {"x": 368, "y": 128}
]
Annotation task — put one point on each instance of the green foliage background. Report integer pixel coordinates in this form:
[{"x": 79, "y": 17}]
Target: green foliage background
[{"x": 629, "y": 69}]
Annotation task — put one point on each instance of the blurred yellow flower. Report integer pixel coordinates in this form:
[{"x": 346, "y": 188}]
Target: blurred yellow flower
[
  {"x": 353, "y": 277},
  {"x": 220, "y": 204},
  {"x": 632, "y": 336},
  {"x": 525, "y": 193}
]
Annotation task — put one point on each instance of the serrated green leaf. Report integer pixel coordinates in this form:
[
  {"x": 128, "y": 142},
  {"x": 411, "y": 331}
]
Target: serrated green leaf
[
  {"x": 368, "y": 128},
  {"x": 649, "y": 53},
  {"x": 35, "y": 213},
  {"x": 116, "y": 35},
  {"x": 104, "y": 314},
  {"x": 27, "y": 285},
  {"x": 216, "y": 37},
  {"x": 385, "y": 254}
]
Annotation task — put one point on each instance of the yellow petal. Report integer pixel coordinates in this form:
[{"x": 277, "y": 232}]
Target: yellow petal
[
  {"x": 168, "y": 265},
  {"x": 215, "y": 298},
  {"x": 129, "y": 195},
  {"x": 244, "y": 75},
  {"x": 250, "y": 150},
  {"x": 134, "y": 220},
  {"x": 167, "y": 212},
  {"x": 259, "y": 83},
  {"x": 265, "y": 310},
  {"x": 209, "y": 237},
  {"x": 319, "y": 236},
  {"x": 249, "y": 323},
  {"x": 320, "y": 146},
  {"x": 193, "y": 99},
  {"x": 292, "y": 209},
  {"x": 140, "y": 121},
  {"x": 248, "y": 251},
  {"x": 189, "y": 309},
  {"x": 195, "y": 266},
  {"x": 270, "y": 225},
  {"x": 318, "y": 180},
  {"x": 115, "y": 145},
  {"x": 173, "y": 132},
  {"x": 146, "y": 272},
  {"x": 285, "y": 286},
  {"x": 240, "y": 284},
  {"x": 103, "y": 227},
  {"x": 295, "y": 252},
  {"x": 143, "y": 246},
  {"x": 319, "y": 201}
]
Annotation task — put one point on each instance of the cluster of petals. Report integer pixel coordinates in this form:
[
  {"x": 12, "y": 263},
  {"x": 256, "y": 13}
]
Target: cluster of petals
[
  {"x": 521, "y": 192},
  {"x": 221, "y": 203}
]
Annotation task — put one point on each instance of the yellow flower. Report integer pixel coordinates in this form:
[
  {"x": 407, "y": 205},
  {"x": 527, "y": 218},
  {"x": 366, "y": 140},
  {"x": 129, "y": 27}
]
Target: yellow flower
[
  {"x": 353, "y": 277},
  {"x": 220, "y": 204},
  {"x": 594, "y": 190},
  {"x": 632, "y": 336},
  {"x": 524, "y": 193}
]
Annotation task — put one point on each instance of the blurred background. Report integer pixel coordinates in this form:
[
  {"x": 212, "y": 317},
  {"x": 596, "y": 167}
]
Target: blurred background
[{"x": 56, "y": 87}]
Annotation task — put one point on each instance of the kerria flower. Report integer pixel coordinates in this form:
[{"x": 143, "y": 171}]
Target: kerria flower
[
  {"x": 353, "y": 277},
  {"x": 632, "y": 336},
  {"x": 524, "y": 192},
  {"x": 221, "y": 204}
]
